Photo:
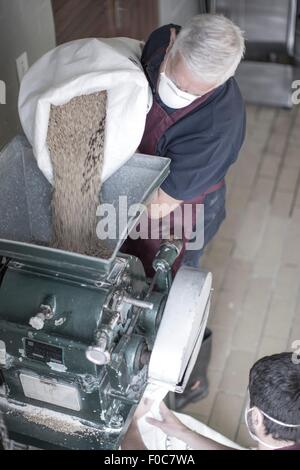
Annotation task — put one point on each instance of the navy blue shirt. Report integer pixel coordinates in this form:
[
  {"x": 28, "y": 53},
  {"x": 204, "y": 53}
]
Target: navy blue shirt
[{"x": 204, "y": 143}]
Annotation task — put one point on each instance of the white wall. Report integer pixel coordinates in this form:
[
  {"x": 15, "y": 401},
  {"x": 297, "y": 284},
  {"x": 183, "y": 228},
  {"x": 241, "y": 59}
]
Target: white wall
[
  {"x": 25, "y": 25},
  {"x": 177, "y": 11}
]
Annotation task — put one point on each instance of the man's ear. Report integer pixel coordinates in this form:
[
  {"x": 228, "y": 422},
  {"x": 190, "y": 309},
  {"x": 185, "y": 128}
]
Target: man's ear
[
  {"x": 257, "y": 419},
  {"x": 173, "y": 36}
]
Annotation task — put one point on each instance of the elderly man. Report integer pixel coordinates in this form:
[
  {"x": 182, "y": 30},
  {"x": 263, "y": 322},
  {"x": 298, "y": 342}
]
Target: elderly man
[
  {"x": 272, "y": 413},
  {"x": 198, "y": 121}
]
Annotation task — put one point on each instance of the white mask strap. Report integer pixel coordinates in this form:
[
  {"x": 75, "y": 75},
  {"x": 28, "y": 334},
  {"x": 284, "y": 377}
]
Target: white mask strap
[{"x": 280, "y": 422}]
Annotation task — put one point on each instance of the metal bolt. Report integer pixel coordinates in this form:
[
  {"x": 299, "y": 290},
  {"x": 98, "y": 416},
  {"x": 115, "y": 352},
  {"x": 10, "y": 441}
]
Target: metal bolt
[
  {"x": 138, "y": 302},
  {"x": 116, "y": 421},
  {"x": 97, "y": 356}
]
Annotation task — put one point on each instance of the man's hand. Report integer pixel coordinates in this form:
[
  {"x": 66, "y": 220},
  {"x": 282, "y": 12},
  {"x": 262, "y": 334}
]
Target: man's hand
[
  {"x": 132, "y": 439},
  {"x": 173, "y": 427},
  {"x": 143, "y": 408},
  {"x": 161, "y": 205},
  {"x": 170, "y": 425}
]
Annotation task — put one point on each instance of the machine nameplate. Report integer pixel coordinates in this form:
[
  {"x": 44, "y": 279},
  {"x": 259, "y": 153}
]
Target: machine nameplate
[
  {"x": 50, "y": 391},
  {"x": 43, "y": 352}
]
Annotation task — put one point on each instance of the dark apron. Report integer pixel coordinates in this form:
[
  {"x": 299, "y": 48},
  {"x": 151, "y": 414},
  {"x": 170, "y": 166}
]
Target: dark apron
[{"x": 157, "y": 123}]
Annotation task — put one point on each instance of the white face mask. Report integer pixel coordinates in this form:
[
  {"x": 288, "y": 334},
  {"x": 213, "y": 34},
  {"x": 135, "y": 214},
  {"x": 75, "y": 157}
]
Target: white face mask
[
  {"x": 171, "y": 95},
  {"x": 256, "y": 438}
]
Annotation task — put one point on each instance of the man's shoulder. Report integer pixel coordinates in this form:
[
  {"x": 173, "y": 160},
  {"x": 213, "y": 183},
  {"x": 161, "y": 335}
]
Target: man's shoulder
[
  {"x": 236, "y": 92},
  {"x": 222, "y": 112},
  {"x": 230, "y": 96},
  {"x": 229, "y": 105}
]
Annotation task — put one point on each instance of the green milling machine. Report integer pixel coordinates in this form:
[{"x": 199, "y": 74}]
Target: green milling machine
[{"x": 82, "y": 337}]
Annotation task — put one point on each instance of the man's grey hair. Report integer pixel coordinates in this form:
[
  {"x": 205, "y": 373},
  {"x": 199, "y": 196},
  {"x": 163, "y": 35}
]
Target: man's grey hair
[{"x": 212, "y": 47}]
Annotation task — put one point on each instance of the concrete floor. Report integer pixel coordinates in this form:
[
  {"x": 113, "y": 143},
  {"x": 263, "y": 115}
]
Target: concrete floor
[{"x": 255, "y": 260}]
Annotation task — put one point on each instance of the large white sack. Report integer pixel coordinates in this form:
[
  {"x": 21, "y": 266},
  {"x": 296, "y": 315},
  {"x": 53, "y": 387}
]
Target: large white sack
[{"x": 82, "y": 67}]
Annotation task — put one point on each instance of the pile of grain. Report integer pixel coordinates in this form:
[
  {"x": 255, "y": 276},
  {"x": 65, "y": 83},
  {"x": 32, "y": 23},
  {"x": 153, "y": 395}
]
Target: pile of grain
[{"x": 75, "y": 140}]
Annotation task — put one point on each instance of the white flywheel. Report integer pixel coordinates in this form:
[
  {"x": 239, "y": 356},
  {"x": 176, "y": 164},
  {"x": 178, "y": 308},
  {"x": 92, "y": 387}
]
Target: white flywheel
[{"x": 181, "y": 330}]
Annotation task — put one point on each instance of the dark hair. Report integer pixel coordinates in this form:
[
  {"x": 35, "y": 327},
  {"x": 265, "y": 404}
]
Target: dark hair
[{"x": 274, "y": 388}]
